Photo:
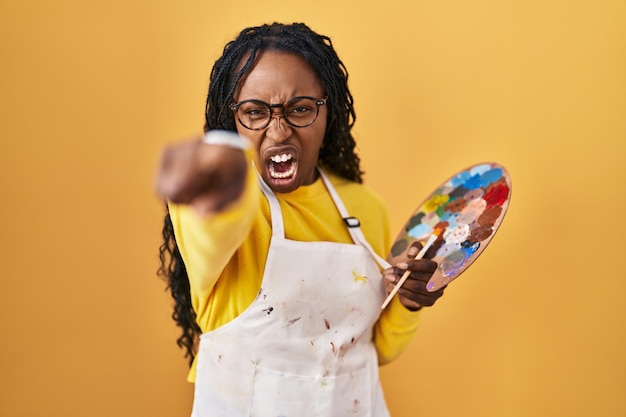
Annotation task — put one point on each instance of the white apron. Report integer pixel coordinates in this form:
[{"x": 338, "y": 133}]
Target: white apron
[{"x": 304, "y": 346}]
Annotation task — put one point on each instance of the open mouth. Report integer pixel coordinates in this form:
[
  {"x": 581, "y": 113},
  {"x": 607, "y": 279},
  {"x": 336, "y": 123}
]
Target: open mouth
[{"x": 281, "y": 166}]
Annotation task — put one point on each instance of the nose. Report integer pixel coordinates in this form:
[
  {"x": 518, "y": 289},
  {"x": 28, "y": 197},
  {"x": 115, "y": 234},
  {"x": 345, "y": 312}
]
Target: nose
[{"x": 279, "y": 131}]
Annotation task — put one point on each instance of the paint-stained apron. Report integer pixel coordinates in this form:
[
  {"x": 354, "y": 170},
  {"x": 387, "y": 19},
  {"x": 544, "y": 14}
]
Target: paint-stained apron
[{"x": 304, "y": 346}]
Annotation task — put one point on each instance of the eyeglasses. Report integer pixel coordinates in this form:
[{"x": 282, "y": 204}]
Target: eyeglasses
[{"x": 300, "y": 111}]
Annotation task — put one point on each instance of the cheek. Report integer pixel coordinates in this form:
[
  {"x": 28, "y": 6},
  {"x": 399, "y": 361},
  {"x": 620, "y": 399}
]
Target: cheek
[
  {"x": 243, "y": 132},
  {"x": 255, "y": 142},
  {"x": 250, "y": 136},
  {"x": 313, "y": 143},
  {"x": 317, "y": 136}
]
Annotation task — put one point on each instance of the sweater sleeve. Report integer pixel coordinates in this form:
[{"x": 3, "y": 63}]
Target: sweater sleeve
[
  {"x": 397, "y": 325},
  {"x": 207, "y": 243},
  {"x": 394, "y": 330}
]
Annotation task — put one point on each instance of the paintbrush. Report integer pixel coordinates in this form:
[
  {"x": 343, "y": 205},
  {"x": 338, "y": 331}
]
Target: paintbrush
[{"x": 406, "y": 274}]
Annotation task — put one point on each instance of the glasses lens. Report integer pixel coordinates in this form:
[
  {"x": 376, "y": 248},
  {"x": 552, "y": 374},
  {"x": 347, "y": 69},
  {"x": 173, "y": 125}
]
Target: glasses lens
[
  {"x": 301, "y": 111},
  {"x": 253, "y": 114}
]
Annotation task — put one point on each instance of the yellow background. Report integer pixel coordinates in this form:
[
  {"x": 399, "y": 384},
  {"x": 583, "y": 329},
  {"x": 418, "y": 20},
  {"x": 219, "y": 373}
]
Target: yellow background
[{"x": 91, "y": 91}]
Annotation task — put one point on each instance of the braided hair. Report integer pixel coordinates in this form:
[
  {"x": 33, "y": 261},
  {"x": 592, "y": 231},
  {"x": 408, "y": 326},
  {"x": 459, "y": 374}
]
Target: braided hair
[{"x": 337, "y": 152}]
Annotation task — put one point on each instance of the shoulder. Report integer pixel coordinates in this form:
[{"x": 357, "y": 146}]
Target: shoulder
[{"x": 357, "y": 196}]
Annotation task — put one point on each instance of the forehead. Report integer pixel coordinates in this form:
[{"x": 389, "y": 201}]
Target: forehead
[{"x": 278, "y": 76}]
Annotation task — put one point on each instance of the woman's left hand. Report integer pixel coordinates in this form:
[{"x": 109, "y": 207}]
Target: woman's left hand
[{"x": 413, "y": 293}]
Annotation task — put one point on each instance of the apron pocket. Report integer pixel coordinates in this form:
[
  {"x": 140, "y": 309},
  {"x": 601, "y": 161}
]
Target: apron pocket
[
  {"x": 280, "y": 394},
  {"x": 223, "y": 382}
]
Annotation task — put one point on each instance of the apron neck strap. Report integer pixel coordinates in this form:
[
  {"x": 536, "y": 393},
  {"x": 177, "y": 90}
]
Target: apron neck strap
[
  {"x": 276, "y": 214},
  {"x": 352, "y": 222}
]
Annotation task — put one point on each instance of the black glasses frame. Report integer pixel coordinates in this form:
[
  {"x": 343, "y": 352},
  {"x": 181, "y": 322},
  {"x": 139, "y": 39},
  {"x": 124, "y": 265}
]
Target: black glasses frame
[{"x": 318, "y": 101}]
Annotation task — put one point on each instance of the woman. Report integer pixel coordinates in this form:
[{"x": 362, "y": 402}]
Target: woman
[{"x": 273, "y": 246}]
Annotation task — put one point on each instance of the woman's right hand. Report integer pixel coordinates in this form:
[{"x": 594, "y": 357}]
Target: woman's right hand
[{"x": 205, "y": 176}]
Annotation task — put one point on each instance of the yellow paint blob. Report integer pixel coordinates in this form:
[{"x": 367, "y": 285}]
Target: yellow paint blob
[{"x": 358, "y": 277}]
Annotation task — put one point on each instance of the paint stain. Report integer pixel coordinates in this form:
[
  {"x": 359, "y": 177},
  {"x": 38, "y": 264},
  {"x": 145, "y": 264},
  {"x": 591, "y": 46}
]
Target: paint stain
[
  {"x": 399, "y": 247},
  {"x": 460, "y": 191},
  {"x": 474, "y": 195},
  {"x": 292, "y": 321},
  {"x": 358, "y": 277},
  {"x": 342, "y": 351},
  {"x": 490, "y": 215},
  {"x": 490, "y": 176},
  {"x": 435, "y": 202},
  {"x": 481, "y": 233},
  {"x": 496, "y": 195},
  {"x": 268, "y": 310},
  {"x": 473, "y": 183},
  {"x": 452, "y": 263},
  {"x": 327, "y": 324},
  {"x": 358, "y": 309},
  {"x": 415, "y": 220},
  {"x": 448, "y": 248},
  {"x": 457, "y": 234},
  {"x": 456, "y": 205},
  {"x": 421, "y": 231},
  {"x": 332, "y": 348},
  {"x": 469, "y": 248}
]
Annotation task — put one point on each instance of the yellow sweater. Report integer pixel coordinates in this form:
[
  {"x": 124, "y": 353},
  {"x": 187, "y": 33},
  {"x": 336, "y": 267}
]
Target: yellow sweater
[{"x": 225, "y": 253}]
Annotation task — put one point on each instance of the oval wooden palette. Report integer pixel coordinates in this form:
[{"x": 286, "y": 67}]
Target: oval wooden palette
[{"x": 466, "y": 212}]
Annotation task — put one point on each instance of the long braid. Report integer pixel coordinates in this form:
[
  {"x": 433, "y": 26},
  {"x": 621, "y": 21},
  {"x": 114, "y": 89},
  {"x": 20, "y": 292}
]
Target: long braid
[
  {"x": 337, "y": 152},
  {"x": 173, "y": 271}
]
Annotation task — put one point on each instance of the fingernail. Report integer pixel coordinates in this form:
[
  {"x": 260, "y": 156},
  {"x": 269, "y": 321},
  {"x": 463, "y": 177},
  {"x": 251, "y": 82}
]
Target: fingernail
[{"x": 402, "y": 265}]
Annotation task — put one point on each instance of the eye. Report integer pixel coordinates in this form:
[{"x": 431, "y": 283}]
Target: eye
[
  {"x": 253, "y": 111},
  {"x": 299, "y": 110}
]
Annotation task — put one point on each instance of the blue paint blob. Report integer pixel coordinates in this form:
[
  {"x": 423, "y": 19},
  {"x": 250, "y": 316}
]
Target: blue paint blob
[
  {"x": 480, "y": 169},
  {"x": 460, "y": 178},
  {"x": 469, "y": 248},
  {"x": 420, "y": 231},
  {"x": 445, "y": 216},
  {"x": 452, "y": 221},
  {"x": 473, "y": 183},
  {"x": 490, "y": 176}
]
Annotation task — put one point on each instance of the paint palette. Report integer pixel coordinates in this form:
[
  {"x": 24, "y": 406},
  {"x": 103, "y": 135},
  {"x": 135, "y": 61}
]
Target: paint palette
[{"x": 465, "y": 211}]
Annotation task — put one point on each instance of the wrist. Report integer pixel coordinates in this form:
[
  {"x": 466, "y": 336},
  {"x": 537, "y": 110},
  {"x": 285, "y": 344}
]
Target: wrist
[{"x": 226, "y": 138}]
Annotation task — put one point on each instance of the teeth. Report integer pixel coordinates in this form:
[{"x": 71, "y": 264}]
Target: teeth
[
  {"x": 281, "y": 158},
  {"x": 285, "y": 174},
  {"x": 277, "y": 159}
]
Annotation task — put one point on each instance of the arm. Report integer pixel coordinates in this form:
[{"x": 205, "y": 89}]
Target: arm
[
  {"x": 400, "y": 320},
  {"x": 212, "y": 196}
]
